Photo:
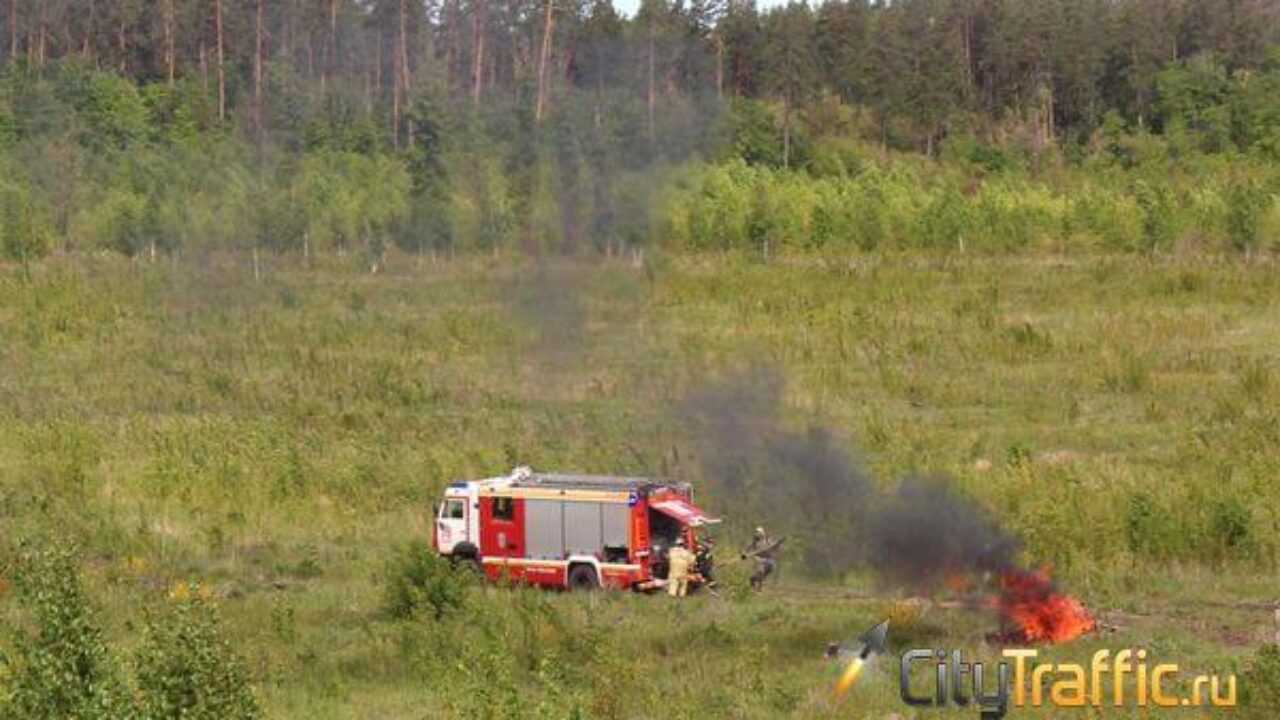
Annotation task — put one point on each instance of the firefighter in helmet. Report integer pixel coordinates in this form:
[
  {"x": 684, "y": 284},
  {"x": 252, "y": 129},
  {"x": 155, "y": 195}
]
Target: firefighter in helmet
[
  {"x": 762, "y": 548},
  {"x": 705, "y": 562},
  {"x": 679, "y": 563}
]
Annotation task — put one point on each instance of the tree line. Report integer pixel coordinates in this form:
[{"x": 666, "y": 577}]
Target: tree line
[
  {"x": 335, "y": 125},
  {"x": 1044, "y": 68}
]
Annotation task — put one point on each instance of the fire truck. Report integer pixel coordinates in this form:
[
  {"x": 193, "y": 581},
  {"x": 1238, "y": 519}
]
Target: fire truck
[{"x": 567, "y": 531}]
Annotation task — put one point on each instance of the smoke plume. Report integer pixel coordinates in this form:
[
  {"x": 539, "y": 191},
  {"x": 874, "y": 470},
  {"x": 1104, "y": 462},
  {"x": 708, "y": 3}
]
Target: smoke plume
[
  {"x": 547, "y": 298},
  {"x": 807, "y": 485}
]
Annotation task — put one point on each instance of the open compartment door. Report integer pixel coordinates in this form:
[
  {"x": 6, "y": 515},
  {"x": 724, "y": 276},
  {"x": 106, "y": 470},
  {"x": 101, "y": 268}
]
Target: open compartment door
[{"x": 683, "y": 512}]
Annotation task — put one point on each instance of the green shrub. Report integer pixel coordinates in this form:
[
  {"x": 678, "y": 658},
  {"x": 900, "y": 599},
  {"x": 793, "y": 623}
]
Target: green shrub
[
  {"x": 1260, "y": 685},
  {"x": 421, "y": 580},
  {"x": 25, "y": 230},
  {"x": 125, "y": 223},
  {"x": 64, "y": 669},
  {"x": 1230, "y": 529},
  {"x": 1150, "y": 529},
  {"x": 187, "y": 670},
  {"x": 1246, "y": 204},
  {"x": 944, "y": 222}
]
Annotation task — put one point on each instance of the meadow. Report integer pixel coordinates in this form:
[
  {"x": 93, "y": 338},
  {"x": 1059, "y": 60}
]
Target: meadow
[{"x": 267, "y": 435}]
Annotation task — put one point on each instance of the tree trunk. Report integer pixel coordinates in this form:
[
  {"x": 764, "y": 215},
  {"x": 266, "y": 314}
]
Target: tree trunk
[
  {"x": 204, "y": 65},
  {"x": 68, "y": 46},
  {"x": 311, "y": 58},
  {"x": 90, "y": 30},
  {"x": 222, "y": 73},
  {"x": 44, "y": 33},
  {"x": 544, "y": 60},
  {"x": 395, "y": 86},
  {"x": 719, "y": 67},
  {"x": 258, "y": 60},
  {"x": 331, "y": 61},
  {"x": 169, "y": 59},
  {"x": 652, "y": 99},
  {"x": 786, "y": 132},
  {"x": 289, "y": 29},
  {"x": 403, "y": 55},
  {"x": 401, "y": 76},
  {"x": 1050, "y": 129},
  {"x": 13, "y": 29},
  {"x": 599, "y": 116},
  {"x": 479, "y": 20}
]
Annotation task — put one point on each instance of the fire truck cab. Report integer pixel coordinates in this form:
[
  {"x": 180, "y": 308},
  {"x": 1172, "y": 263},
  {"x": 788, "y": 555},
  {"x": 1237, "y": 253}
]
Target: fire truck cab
[{"x": 567, "y": 531}]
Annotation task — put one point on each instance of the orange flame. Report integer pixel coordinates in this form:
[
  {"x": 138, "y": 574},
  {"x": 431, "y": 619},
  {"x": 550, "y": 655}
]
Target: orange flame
[{"x": 1042, "y": 614}]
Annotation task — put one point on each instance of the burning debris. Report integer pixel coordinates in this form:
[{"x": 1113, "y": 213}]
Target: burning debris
[
  {"x": 922, "y": 534},
  {"x": 1038, "y": 611}
]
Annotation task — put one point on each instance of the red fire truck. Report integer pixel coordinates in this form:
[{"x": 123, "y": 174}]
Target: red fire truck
[{"x": 567, "y": 531}]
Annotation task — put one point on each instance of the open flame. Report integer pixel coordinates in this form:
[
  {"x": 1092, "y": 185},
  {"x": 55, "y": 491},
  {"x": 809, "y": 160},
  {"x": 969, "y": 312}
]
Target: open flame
[{"x": 1042, "y": 614}]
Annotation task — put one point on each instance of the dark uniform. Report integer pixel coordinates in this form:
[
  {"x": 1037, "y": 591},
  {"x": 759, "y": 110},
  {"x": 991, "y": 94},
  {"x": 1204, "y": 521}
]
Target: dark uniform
[{"x": 762, "y": 548}]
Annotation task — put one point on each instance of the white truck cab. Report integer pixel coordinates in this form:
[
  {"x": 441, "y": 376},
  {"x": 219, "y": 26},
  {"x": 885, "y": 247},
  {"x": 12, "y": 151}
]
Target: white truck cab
[{"x": 457, "y": 520}]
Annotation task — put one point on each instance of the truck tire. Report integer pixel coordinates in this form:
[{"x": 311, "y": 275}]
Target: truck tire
[
  {"x": 583, "y": 577},
  {"x": 466, "y": 555}
]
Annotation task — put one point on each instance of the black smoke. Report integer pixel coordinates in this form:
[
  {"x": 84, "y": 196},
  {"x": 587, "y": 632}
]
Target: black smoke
[
  {"x": 806, "y": 484},
  {"x": 546, "y": 297}
]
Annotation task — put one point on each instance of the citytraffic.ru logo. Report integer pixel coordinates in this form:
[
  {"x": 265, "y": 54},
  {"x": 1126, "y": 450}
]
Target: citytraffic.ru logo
[{"x": 1122, "y": 679}]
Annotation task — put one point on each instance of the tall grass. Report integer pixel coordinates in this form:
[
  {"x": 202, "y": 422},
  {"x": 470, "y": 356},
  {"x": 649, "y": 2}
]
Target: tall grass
[{"x": 279, "y": 440}]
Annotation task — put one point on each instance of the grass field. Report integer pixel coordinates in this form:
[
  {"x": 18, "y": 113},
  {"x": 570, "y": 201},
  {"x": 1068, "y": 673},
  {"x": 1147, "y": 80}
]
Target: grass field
[{"x": 279, "y": 440}]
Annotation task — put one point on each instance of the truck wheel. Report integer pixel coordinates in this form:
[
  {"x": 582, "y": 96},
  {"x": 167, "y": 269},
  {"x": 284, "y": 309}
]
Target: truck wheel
[
  {"x": 467, "y": 555},
  {"x": 583, "y": 577}
]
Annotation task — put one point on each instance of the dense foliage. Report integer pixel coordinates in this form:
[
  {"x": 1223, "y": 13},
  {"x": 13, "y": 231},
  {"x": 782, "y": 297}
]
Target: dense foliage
[
  {"x": 420, "y": 581},
  {"x": 337, "y": 126},
  {"x": 64, "y": 668}
]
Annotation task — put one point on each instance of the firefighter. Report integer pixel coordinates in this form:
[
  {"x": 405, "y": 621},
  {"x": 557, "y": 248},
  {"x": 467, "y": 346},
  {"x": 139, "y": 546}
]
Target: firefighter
[
  {"x": 704, "y": 560},
  {"x": 762, "y": 549},
  {"x": 679, "y": 563}
]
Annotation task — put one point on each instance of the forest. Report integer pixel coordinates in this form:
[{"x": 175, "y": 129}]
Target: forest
[{"x": 335, "y": 126}]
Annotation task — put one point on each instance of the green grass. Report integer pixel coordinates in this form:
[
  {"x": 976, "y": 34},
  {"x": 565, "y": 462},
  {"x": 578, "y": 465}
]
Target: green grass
[{"x": 280, "y": 440}]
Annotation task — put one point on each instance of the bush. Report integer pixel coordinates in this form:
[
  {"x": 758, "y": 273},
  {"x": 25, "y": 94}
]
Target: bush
[
  {"x": 1246, "y": 204},
  {"x": 1260, "y": 685},
  {"x": 944, "y": 222},
  {"x": 1151, "y": 531},
  {"x": 125, "y": 223},
  {"x": 420, "y": 579},
  {"x": 25, "y": 231},
  {"x": 187, "y": 670},
  {"x": 64, "y": 670},
  {"x": 1230, "y": 532}
]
